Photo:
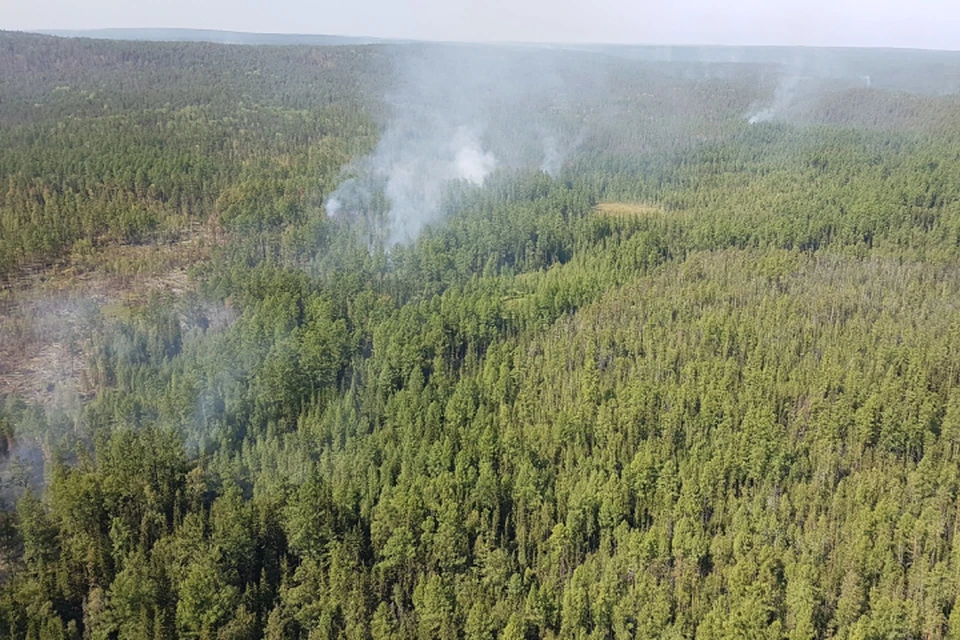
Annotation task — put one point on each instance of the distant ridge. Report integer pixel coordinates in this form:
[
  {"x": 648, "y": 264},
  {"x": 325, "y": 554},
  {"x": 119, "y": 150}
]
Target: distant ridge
[
  {"x": 894, "y": 69},
  {"x": 212, "y": 35}
]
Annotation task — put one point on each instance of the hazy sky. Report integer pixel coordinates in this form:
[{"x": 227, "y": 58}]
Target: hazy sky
[{"x": 933, "y": 24}]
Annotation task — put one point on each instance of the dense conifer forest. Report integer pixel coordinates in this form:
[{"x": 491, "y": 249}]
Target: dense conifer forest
[{"x": 682, "y": 362}]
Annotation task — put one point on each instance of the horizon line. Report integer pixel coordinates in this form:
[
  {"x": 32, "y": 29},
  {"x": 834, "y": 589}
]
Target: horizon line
[{"x": 88, "y": 33}]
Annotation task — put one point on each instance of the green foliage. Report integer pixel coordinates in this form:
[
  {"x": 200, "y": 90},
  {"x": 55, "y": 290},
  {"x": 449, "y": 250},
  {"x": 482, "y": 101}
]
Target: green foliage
[{"x": 732, "y": 412}]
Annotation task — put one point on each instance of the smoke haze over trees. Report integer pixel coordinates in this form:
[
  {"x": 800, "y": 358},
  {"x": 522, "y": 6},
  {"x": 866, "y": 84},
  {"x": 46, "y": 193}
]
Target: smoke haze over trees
[{"x": 444, "y": 341}]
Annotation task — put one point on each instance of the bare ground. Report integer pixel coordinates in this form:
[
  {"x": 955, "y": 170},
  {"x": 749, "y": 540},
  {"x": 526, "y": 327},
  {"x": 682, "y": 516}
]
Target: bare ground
[{"x": 49, "y": 317}]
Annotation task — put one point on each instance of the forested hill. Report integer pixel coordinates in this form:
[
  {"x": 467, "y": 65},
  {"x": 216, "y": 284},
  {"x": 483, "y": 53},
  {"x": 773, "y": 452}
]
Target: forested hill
[
  {"x": 912, "y": 70},
  {"x": 663, "y": 349},
  {"x": 212, "y": 35},
  {"x": 119, "y": 141}
]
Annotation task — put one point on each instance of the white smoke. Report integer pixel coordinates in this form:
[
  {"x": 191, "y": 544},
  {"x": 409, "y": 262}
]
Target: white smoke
[
  {"x": 415, "y": 171},
  {"x": 783, "y": 97},
  {"x": 556, "y": 151},
  {"x": 472, "y": 163},
  {"x": 334, "y": 206},
  {"x": 457, "y": 113},
  {"x": 434, "y": 137}
]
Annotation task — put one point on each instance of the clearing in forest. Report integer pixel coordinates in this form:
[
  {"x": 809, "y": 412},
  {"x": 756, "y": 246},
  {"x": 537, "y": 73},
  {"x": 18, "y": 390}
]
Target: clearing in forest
[
  {"x": 628, "y": 209},
  {"x": 48, "y": 317}
]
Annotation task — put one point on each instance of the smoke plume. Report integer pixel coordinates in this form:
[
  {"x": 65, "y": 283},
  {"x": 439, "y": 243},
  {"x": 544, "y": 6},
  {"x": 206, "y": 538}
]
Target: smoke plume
[
  {"x": 784, "y": 95},
  {"x": 455, "y": 115}
]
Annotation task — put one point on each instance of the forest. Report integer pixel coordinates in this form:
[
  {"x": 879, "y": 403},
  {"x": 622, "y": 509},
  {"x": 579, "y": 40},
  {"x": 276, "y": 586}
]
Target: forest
[{"x": 404, "y": 340}]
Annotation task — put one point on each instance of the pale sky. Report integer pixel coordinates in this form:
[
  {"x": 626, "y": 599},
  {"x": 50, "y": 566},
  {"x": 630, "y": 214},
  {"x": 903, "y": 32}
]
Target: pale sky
[{"x": 928, "y": 24}]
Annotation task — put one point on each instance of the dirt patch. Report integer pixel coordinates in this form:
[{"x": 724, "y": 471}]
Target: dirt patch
[
  {"x": 44, "y": 344},
  {"x": 49, "y": 318}
]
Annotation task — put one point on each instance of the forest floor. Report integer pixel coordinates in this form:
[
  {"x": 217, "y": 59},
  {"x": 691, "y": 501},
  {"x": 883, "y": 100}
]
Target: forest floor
[{"x": 49, "y": 316}]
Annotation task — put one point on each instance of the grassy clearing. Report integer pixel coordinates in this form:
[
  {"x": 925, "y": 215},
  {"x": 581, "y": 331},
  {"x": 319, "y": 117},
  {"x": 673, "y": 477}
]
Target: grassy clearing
[{"x": 628, "y": 209}]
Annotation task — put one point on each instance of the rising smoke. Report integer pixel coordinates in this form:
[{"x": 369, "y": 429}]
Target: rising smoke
[
  {"x": 783, "y": 97},
  {"x": 456, "y": 114},
  {"x": 557, "y": 149},
  {"x": 802, "y": 86}
]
